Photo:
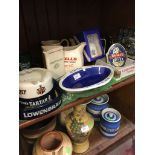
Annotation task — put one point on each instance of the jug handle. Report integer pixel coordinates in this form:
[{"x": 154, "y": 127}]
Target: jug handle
[
  {"x": 105, "y": 44},
  {"x": 64, "y": 40}
]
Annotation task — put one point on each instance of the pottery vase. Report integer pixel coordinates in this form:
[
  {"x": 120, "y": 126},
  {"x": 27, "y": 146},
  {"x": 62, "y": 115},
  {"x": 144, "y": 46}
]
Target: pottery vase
[
  {"x": 53, "y": 143},
  {"x": 79, "y": 125}
]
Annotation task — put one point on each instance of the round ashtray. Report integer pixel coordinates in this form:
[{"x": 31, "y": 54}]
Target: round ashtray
[
  {"x": 116, "y": 55},
  {"x": 28, "y": 113}
]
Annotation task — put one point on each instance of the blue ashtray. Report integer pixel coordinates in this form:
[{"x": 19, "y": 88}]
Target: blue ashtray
[
  {"x": 110, "y": 122},
  {"x": 86, "y": 78}
]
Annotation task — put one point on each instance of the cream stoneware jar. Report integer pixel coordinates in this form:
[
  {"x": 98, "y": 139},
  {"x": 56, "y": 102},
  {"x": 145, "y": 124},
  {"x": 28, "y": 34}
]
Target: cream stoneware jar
[{"x": 34, "y": 82}]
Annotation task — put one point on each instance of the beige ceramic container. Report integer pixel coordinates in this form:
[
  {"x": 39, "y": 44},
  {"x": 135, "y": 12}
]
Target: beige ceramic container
[
  {"x": 54, "y": 60},
  {"x": 73, "y": 57},
  {"x": 53, "y": 143},
  {"x": 79, "y": 125},
  {"x": 34, "y": 82}
]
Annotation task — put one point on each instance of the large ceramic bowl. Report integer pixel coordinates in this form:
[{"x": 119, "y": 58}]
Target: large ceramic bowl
[{"x": 86, "y": 78}]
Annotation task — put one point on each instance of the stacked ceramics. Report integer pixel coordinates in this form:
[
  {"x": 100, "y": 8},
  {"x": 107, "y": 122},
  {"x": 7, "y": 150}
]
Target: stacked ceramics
[
  {"x": 97, "y": 105},
  {"x": 39, "y": 93}
]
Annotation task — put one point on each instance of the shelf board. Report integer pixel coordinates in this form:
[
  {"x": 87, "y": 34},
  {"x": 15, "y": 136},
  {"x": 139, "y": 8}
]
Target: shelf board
[
  {"x": 24, "y": 124},
  {"x": 99, "y": 143}
]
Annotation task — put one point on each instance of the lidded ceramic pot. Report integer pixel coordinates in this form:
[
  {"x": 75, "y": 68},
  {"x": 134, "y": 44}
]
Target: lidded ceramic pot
[
  {"x": 53, "y": 143},
  {"x": 97, "y": 105},
  {"x": 79, "y": 125},
  {"x": 110, "y": 122},
  {"x": 34, "y": 82}
]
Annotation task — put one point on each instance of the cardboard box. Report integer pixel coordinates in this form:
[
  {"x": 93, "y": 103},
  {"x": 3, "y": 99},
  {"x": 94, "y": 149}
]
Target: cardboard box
[{"x": 120, "y": 72}]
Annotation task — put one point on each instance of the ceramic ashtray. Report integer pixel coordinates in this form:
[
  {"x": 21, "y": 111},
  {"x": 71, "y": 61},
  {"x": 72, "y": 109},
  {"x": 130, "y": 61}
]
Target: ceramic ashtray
[
  {"x": 116, "y": 55},
  {"x": 32, "y": 112},
  {"x": 86, "y": 78}
]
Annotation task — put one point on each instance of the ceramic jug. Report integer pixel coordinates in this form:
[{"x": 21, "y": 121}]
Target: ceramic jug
[
  {"x": 79, "y": 125},
  {"x": 54, "y": 60},
  {"x": 73, "y": 57},
  {"x": 53, "y": 143},
  {"x": 55, "y": 42}
]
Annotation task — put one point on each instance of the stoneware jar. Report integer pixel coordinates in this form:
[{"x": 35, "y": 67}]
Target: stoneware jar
[
  {"x": 79, "y": 125},
  {"x": 73, "y": 57},
  {"x": 35, "y": 131},
  {"x": 110, "y": 122},
  {"x": 53, "y": 143},
  {"x": 97, "y": 105}
]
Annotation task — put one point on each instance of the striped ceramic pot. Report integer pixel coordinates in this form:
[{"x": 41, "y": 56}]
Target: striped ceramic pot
[{"x": 110, "y": 122}]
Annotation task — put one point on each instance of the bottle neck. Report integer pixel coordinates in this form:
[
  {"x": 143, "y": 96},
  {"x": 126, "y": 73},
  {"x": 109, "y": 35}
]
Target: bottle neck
[{"x": 80, "y": 109}]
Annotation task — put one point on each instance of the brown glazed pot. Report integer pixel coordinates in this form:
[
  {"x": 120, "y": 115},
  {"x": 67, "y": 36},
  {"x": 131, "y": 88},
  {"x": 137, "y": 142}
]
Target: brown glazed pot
[{"x": 53, "y": 143}]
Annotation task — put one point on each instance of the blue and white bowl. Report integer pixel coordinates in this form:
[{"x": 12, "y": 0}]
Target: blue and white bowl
[
  {"x": 97, "y": 105},
  {"x": 86, "y": 78},
  {"x": 110, "y": 122}
]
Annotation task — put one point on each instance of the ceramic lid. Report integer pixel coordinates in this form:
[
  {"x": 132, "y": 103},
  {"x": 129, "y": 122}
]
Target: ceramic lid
[
  {"x": 34, "y": 82},
  {"x": 100, "y": 100},
  {"x": 111, "y": 115},
  {"x": 116, "y": 55}
]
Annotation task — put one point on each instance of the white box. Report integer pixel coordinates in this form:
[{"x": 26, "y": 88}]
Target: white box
[{"x": 120, "y": 72}]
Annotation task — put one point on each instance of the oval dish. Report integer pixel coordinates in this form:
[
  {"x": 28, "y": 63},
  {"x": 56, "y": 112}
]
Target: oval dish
[{"x": 86, "y": 78}]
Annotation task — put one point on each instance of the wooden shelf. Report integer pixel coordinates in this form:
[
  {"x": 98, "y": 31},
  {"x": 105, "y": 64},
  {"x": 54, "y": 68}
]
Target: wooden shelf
[
  {"x": 24, "y": 124},
  {"x": 99, "y": 143}
]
